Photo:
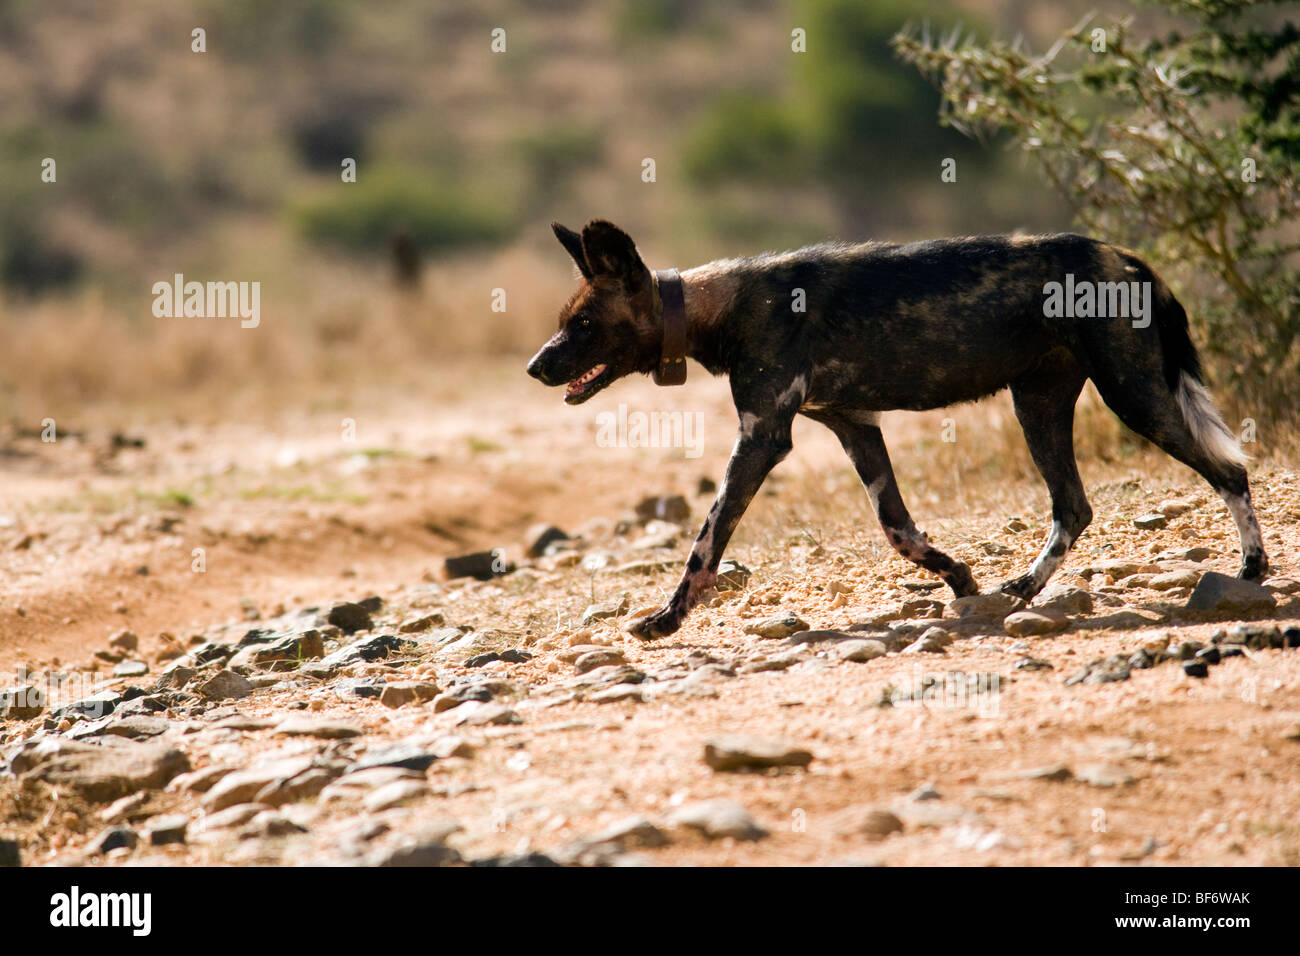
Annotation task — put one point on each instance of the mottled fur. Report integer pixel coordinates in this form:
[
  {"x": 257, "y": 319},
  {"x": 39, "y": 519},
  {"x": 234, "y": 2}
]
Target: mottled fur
[{"x": 917, "y": 326}]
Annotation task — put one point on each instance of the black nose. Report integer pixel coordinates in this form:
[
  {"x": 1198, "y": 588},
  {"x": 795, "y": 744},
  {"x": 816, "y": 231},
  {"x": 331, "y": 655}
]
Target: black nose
[{"x": 537, "y": 369}]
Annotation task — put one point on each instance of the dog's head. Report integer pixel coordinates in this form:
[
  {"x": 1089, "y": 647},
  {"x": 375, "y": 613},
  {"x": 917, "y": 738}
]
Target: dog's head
[{"x": 607, "y": 329}]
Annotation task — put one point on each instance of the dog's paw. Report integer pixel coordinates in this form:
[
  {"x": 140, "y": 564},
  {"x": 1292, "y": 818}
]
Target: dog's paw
[
  {"x": 1023, "y": 587},
  {"x": 653, "y": 626},
  {"x": 1254, "y": 568},
  {"x": 961, "y": 580}
]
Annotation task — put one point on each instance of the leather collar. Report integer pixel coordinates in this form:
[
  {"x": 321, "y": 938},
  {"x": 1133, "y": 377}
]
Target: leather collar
[{"x": 672, "y": 308}]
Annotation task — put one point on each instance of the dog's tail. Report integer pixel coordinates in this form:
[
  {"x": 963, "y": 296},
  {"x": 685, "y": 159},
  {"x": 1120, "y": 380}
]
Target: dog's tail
[{"x": 1182, "y": 368}]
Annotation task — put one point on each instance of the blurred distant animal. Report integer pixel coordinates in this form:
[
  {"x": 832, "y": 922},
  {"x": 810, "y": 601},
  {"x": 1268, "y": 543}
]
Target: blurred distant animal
[{"x": 406, "y": 259}]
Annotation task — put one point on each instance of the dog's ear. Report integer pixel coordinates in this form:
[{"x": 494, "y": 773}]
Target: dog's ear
[
  {"x": 611, "y": 252},
  {"x": 572, "y": 243}
]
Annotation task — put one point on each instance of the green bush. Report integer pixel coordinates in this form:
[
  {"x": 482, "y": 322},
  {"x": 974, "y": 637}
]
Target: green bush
[
  {"x": 1185, "y": 146},
  {"x": 746, "y": 135},
  {"x": 437, "y": 215}
]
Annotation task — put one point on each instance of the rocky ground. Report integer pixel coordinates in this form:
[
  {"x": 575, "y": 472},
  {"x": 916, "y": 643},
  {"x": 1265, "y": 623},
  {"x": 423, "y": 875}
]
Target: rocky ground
[{"x": 829, "y": 705}]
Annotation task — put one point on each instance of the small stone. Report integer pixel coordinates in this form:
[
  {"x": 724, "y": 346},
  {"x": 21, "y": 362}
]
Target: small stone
[
  {"x": 1118, "y": 569},
  {"x": 859, "y": 651},
  {"x": 921, "y": 608},
  {"x": 1256, "y": 636},
  {"x": 225, "y": 685},
  {"x": 406, "y": 756},
  {"x": 997, "y": 605},
  {"x": 1196, "y": 668},
  {"x": 1035, "y": 623},
  {"x": 1063, "y": 598},
  {"x": 322, "y": 729},
  {"x": 781, "y": 625},
  {"x": 242, "y": 786},
  {"x": 599, "y": 658},
  {"x": 1056, "y": 772},
  {"x": 418, "y": 625},
  {"x": 1028, "y": 663},
  {"x": 619, "y": 692},
  {"x": 930, "y": 814},
  {"x": 22, "y": 703},
  {"x": 873, "y": 823},
  {"x": 605, "y": 609},
  {"x": 674, "y": 508},
  {"x": 395, "y": 794},
  {"x": 166, "y": 830},
  {"x": 350, "y": 618},
  {"x": 175, "y": 677},
  {"x": 135, "y": 728},
  {"x": 124, "y": 641},
  {"x": 541, "y": 536},
  {"x": 475, "y": 714},
  {"x": 1153, "y": 521},
  {"x": 732, "y": 576},
  {"x": 115, "y": 838},
  {"x": 234, "y": 816},
  {"x": 104, "y": 774},
  {"x": 737, "y": 752},
  {"x": 119, "y": 810},
  {"x": 1219, "y": 593},
  {"x": 480, "y": 565},
  {"x": 270, "y": 823},
  {"x": 131, "y": 669},
  {"x": 306, "y": 646},
  {"x": 430, "y": 850},
  {"x": 1104, "y": 775},
  {"x": 933, "y": 640},
  {"x": 634, "y": 831},
  {"x": 800, "y": 638},
  {"x": 716, "y": 819},
  {"x": 400, "y": 693},
  {"x": 1175, "y": 579},
  {"x": 1173, "y": 508}
]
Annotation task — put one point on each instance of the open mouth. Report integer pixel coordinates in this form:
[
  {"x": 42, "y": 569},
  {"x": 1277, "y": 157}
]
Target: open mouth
[{"x": 586, "y": 385}]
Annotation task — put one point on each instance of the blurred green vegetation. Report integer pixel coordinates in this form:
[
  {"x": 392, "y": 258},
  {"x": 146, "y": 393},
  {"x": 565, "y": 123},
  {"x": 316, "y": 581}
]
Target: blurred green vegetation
[
  {"x": 848, "y": 121},
  {"x": 169, "y": 157},
  {"x": 434, "y": 214},
  {"x": 1184, "y": 144}
]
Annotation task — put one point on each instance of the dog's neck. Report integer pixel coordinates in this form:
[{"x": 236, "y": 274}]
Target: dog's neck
[{"x": 710, "y": 291}]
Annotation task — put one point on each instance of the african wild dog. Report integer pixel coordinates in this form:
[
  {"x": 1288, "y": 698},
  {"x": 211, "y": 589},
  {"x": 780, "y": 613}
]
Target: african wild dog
[{"x": 916, "y": 326}]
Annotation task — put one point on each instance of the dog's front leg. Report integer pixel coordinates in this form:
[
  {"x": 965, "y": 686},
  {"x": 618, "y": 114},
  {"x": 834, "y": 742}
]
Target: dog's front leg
[{"x": 761, "y": 445}]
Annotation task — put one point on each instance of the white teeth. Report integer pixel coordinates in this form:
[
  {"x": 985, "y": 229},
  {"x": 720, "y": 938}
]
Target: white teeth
[{"x": 589, "y": 376}]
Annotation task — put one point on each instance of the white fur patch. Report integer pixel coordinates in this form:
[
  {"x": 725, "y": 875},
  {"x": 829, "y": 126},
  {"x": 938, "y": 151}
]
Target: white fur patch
[{"x": 1207, "y": 427}]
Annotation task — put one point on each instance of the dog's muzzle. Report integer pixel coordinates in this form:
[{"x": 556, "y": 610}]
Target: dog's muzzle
[{"x": 538, "y": 370}]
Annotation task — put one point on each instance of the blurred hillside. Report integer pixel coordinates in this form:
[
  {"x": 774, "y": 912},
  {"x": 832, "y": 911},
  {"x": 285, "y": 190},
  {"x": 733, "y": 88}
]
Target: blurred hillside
[{"x": 225, "y": 165}]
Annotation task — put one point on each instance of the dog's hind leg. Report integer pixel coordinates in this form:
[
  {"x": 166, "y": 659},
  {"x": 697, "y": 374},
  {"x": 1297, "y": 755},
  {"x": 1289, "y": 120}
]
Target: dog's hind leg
[
  {"x": 1185, "y": 425},
  {"x": 1044, "y": 401},
  {"x": 866, "y": 449}
]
